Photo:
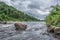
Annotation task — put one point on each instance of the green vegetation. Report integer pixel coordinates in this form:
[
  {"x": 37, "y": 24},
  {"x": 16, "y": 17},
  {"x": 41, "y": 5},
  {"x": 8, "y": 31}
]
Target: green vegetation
[
  {"x": 54, "y": 17},
  {"x": 9, "y": 13}
]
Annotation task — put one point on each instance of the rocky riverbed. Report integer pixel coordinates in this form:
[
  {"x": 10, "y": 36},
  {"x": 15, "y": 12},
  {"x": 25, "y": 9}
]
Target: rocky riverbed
[{"x": 34, "y": 31}]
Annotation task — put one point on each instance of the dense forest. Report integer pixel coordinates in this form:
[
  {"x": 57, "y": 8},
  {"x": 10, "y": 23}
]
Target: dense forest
[
  {"x": 9, "y": 13},
  {"x": 54, "y": 17}
]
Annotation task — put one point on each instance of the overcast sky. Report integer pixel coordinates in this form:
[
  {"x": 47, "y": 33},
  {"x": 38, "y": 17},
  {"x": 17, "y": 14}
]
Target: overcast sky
[{"x": 36, "y": 8}]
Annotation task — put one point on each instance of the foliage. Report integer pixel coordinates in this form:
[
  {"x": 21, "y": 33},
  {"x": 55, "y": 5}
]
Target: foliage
[
  {"x": 9, "y": 13},
  {"x": 54, "y": 17}
]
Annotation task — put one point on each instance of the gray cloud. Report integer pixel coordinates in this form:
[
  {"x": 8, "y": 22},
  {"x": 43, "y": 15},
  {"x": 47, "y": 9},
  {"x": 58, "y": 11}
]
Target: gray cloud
[{"x": 34, "y": 6}]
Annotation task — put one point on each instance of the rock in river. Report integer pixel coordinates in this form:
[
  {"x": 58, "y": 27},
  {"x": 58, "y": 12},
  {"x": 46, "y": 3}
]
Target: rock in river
[
  {"x": 20, "y": 26},
  {"x": 57, "y": 32},
  {"x": 3, "y": 22},
  {"x": 51, "y": 29}
]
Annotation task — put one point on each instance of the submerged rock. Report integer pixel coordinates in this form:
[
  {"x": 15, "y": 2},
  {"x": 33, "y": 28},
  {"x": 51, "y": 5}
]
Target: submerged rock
[{"x": 20, "y": 26}]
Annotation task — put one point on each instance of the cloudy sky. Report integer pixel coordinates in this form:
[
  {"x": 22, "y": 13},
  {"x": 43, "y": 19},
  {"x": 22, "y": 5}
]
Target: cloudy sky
[{"x": 36, "y": 8}]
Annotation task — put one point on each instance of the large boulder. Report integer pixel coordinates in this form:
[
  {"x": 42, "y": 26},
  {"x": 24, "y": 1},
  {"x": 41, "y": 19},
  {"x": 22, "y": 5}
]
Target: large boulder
[
  {"x": 57, "y": 32},
  {"x": 20, "y": 26},
  {"x": 51, "y": 29}
]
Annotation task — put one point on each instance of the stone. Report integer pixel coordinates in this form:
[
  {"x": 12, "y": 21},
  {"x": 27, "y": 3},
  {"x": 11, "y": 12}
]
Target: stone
[
  {"x": 51, "y": 29},
  {"x": 20, "y": 26},
  {"x": 57, "y": 32},
  {"x": 3, "y": 22}
]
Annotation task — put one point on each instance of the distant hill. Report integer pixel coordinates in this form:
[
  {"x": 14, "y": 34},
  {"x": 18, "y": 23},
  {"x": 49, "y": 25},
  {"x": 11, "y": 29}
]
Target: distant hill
[{"x": 9, "y": 13}]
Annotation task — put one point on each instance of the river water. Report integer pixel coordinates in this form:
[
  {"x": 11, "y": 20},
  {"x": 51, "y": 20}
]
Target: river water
[{"x": 34, "y": 31}]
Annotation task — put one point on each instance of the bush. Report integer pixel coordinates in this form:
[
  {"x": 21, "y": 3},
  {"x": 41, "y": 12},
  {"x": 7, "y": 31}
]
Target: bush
[{"x": 54, "y": 17}]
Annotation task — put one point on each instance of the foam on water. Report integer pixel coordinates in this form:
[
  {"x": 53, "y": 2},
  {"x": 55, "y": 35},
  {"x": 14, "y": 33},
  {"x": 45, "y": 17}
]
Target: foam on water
[{"x": 34, "y": 31}]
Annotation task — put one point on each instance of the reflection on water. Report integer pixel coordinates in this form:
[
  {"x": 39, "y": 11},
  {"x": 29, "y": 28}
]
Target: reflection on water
[{"x": 35, "y": 31}]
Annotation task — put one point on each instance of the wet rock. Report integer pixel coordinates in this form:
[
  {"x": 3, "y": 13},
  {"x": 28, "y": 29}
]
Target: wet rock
[
  {"x": 51, "y": 29},
  {"x": 57, "y": 32},
  {"x": 20, "y": 26},
  {"x": 3, "y": 22},
  {"x": 57, "y": 36}
]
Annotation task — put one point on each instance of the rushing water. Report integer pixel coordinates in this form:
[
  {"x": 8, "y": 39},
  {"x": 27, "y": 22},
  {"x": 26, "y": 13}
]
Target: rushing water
[{"x": 34, "y": 31}]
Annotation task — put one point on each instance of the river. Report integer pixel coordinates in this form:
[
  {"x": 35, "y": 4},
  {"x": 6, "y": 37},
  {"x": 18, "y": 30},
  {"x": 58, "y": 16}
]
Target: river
[{"x": 34, "y": 31}]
